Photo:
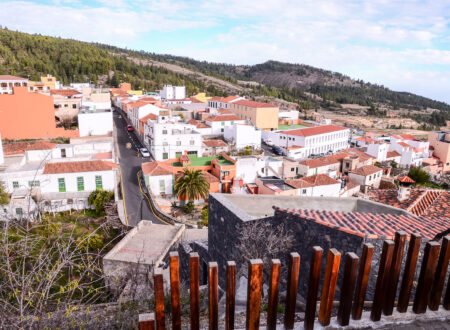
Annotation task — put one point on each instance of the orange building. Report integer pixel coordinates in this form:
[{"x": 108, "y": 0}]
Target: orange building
[{"x": 29, "y": 115}]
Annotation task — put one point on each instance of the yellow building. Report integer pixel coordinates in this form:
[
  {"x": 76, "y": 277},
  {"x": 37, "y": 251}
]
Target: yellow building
[
  {"x": 202, "y": 97},
  {"x": 135, "y": 92},
  {"x": 261, "y": 115},
  {"x": 47, "y": 83}
]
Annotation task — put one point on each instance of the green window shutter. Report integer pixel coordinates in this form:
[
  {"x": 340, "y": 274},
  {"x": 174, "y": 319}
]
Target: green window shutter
[
  {"x": 62, "y": 185},
  {"x": 223, "y": 123},
  {"x": 80, "y": 183},
  {"x": 16, "y": 184},
  {"x": 98, "y": 182}
]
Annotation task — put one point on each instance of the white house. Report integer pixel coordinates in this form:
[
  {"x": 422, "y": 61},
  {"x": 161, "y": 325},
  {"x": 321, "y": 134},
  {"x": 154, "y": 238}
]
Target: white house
[
  {"x": 173, "y": 92},
  {"x": 288, "y": 114},
  {"x": 243, "y": 135},
  {"x": 367, "y": 176},
  {"x": 200, "y": 127},
  {"x": 378, "y": 150},
  {"x": 158, "y": 179},
  {"x": 141, "y": 109},
  {"x": 296, "y": 152},
  {"x": 167, "y": 140},
  {"x": 95, "y": 122},
  {"x": 320, "y": 185},
  {"x": 412, "y": 151},
  {"x": 316, "y": 140},
  {"x": 218, "y": 123},
  {"x": 218, "y": 102},
  {"x": 7, "y": 83}
]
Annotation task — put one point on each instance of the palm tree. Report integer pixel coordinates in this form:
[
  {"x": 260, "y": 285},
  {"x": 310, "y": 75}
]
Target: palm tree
[{"x": 191, "y": 185}]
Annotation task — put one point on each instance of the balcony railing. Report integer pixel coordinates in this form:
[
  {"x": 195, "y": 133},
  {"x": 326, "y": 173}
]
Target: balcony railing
[{"x": 428, "y": 292}]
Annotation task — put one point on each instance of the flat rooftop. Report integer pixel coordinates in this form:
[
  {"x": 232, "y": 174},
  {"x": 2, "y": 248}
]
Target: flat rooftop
[
  {"x": 285, "y": 127},
  {"x": 203, "y": 161},
  {"x": 147, "y": 243},
  {"x": 250, "y": 207}
]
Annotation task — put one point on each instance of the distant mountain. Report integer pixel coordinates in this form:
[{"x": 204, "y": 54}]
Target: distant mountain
[{"x": 70, "y": 60}]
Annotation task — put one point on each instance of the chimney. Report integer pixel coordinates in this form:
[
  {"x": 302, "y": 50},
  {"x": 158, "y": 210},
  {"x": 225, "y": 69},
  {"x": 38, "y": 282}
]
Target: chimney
[{"x": 403, "y": 192}]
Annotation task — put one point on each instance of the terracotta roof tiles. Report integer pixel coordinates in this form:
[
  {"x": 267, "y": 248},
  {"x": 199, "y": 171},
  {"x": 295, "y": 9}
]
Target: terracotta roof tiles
[
  {"x": 64, "y": 92},
  {"x": 20, "y": 147},
  {"x": 254, "y": 104},
  {"x": 9, "y": 77},
  {"x": 214, "y": 143},
  {"x": 75, "y": 167},
  {"x": 366, "y": 170},
  {"x": 223, "y": 118},
  {"x": 155, "y": 168},
  {"x": 317, "y": 130}
]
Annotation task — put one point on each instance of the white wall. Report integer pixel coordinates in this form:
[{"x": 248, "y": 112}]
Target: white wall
[
  {"x": 51, "y": 181},
  {"x": 96, "y": 123},
  {"x": 173, "y": 92},
  {"x": 154, "y": 184},
  {"x": 216, "y": 126},
  {"x": 372, "y": 180},
  {"x": 292, "y": 114},
  {"x": 248, "y": 168},
  {"x": 96, "y": 105},
  {"x": 378, "y": 150},
  {"x": 243, "y": 136}
]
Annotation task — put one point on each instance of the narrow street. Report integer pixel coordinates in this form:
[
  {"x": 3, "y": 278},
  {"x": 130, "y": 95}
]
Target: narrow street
[{"x": 137, "y": 206}]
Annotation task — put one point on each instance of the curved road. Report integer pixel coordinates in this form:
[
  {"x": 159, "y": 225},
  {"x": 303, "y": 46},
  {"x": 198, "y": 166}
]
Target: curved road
[{"x": 137, "y": 205}]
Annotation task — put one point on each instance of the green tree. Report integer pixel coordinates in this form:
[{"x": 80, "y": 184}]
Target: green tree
[
  {"x": 191, "y": 185},
  {"x": 4, "y": 198},
  {"x": 99, "y": 198},
  {"x": 419, "y": 175}
]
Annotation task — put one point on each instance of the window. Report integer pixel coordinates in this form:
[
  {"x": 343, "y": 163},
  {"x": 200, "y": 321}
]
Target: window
[
  {"x": 226, "y": 173},
  {"x": 232, "y": 123},
  {"x": 66, "y": 105},
  {"x": 165, "y": 155},
  {"x": 162, "y": 186},
  {"x": 63, "y": 153},
  {"x": 62, "y": 185},
  {"x": 33, "y": 183},
  {"x": 304, "y": 191},
  {"x": 74, "y": 106},
  {"x": 223, "y": 123},
  {"x": 178, "y": 143},
  {"x": 98, "y": 182},
  {"x": 292, "y": 169},
  {"x": 80, "y": 183},
  {"x": 194, "y": 153},
  {"x": 164, "y": 144},
  {"x": 192, "y": 142},
  {"x": 15, "y": 184},
  {"x": 164, "y": 131},
  {"x": 177, "y": 154},
  {"x": 221, "y": 130},
  {"x": 19, "y": 211}
]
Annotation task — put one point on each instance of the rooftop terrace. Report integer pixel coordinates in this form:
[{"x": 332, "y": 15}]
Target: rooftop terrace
[{"x": 203, "y": 161}]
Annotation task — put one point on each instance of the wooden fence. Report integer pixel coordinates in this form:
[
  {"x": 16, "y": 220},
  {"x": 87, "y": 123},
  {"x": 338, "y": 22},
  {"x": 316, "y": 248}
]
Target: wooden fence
[{"x": 429, "y": 290}]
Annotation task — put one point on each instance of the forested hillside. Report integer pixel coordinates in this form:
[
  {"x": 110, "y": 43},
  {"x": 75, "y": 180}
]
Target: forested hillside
[{"x": 70, "y": 60}]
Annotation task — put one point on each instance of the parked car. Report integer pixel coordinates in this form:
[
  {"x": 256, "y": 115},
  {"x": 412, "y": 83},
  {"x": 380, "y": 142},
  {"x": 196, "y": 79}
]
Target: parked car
[
  {"x": 269, "y": 142},
  {"x": 278, "y": 150},
  {"x": 130, "y": 128},
  {"x": 144, "y": 152}
]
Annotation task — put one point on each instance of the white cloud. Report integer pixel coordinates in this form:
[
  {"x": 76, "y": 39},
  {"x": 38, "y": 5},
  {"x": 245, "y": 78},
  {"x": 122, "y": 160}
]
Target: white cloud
[{"x": 401, "y": 44}]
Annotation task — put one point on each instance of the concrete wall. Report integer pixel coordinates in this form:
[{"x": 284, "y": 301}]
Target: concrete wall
[{"x": 96, "y": 123}]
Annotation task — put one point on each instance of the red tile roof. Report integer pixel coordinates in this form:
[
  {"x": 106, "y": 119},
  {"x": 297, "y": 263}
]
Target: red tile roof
[
  {"x": 216, "y": 98},
  {"x": 311, "y": 131},
  {"x": 155, "y": 168},
  {"x": 230, "y": 98},
  {"x": 103, "y": 155},
  {"x": 404, "y": 144},
  {"x": 64, "y": 92},
  {"x": 150, "y": 116},
  {"x": 254, "y": 104},
  {"x": 372, "y": 225},
  {"x": 223, "y": 118},
  {"x": 197, "y": 124},
  {"x": 366, "y": 170},
  {"x": 425, "y": 202},
  {"x": 20, "y": 147},
  {"x": 224, "y": 111},
  {"x": 405, "y": 179},
  {"x": 314, "y": 163},
  {"x": 75, "y": 167},
  {"x": 214, "y": 143},
  {"x": 313, "y": 181},
  {"x": 391, "y": 154},
  {"x": 8, "y": 77},
  {"x": 209, "y": 177}
]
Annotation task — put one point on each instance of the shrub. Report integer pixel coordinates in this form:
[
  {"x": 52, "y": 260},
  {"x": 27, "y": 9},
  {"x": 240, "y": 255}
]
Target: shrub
[
  {"x": 91, "y": 242},
  {"x": 205, "y": 216},
  {"x": 99, "y": 198},
  {"x": 419, "y": 175},
  {"x": 188, "y": 207}
]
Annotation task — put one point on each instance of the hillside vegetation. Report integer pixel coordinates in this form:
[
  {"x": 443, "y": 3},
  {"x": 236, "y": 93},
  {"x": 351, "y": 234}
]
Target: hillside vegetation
[{"x": 311, "y": 88}]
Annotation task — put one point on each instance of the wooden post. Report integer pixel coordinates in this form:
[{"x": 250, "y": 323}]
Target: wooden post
[
  {"x": 362, "y": 281},
  {"x": 194, "y": 290},
  {"x": 274, "y": 286},
  {"x": 409, "y": 272},
  {"x": 231, "y": 294},
  {"x": 348, "y": 285},
  {"x": 426, "y": 277},
  {"x": 158, "y": 284},
  {"x": 313, "y": 287},
  {"x": 292, "y": 288},
  {"x": 213, "y": 294},
  {"x": 439, "y": 277},
  {"x": 254, "y": 290},
  {"x": 175, "y": 290},
  {"x": 446, "y": 302},
  {"x": 147, "y": 321},
  {"x": 329, "y": 286},
  {"x": 383, "y": 272},
  {"x": 394, "y": 274}
]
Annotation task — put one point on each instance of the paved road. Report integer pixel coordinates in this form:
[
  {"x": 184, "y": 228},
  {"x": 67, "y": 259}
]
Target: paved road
[
  {"x": 267, "y": 150},
  {"x": 137, "y": 205}
]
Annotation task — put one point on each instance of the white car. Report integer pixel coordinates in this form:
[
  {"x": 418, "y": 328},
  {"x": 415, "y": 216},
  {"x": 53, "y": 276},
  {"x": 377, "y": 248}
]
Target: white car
[
  {"x": 268, "y": 142},
  {"x": 144, "y": 152}
]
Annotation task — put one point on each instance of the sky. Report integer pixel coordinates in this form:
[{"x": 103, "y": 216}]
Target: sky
[{"x": 401, "y": 44}]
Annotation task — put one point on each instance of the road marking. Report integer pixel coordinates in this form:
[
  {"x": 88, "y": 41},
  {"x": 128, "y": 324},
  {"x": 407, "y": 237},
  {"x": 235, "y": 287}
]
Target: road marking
[
  {"x": 123, "y": 195},
  {"x": 148, "y": 200}
]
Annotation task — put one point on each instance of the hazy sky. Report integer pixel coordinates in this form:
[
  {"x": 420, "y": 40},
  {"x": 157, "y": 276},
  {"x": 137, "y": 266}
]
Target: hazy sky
[{"x": 404, "y": 45}]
